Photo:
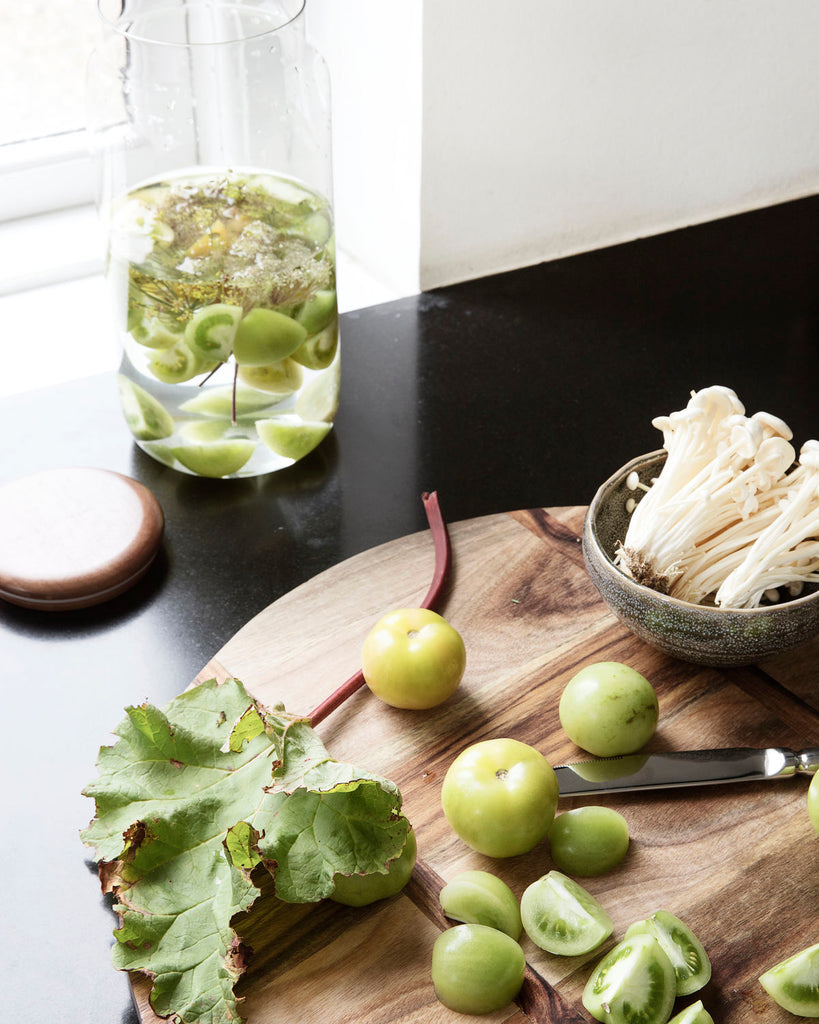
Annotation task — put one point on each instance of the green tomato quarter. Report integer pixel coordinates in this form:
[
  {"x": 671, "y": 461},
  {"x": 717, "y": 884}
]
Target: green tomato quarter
[
  {"x": 413, "y": 658},
  {"x": 633, "y": 984},
  {"x": 562, "y": 918},
  {"x": 588, "y": 841},
  {"x": 693, "y": 1014},
  {"x": 794, "y": 983},
  {"x": 478, "y": 897},
  {"x": 813, "y": 802},
  {"x": 500, "y": 797},
  {"x": 476, "y": 969},
  {"x": 361, "y": 890},
  {"x": 608, "y": 709},
  {"x": 692, "y": 967}
]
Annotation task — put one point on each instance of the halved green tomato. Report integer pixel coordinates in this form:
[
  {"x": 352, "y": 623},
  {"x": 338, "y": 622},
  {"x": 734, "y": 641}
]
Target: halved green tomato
[
  {"x": 634, "y": 983},
  {"x": 794, "y": 983},
  {"x": 282, "y": 378},
  {"x": 266, "y": 336},
  {"x": 221, "y": 458},
  {"x": 211, "y": 330},
  {"x": 319, "y": 350},
  {"x": 693, "y": 1014},
  {"x": 478, "y": 897},
  {"x": 682, "y": 947},
  {"x": 561, "y": 917},
  {"x": 176, "y": 364},
  {"x": 147, "y": 419},
  {"x": 152, "y": 332},
  {"x": 291, "y": 438}
]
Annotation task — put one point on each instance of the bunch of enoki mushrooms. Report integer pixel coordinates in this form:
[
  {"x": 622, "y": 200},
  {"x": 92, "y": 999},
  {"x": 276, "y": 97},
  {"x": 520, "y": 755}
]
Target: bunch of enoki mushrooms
[{"x": 732, "y": 519}]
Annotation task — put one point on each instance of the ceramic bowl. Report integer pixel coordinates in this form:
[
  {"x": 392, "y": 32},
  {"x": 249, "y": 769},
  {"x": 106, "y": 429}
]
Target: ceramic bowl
[{"x": 697, "y": 633}]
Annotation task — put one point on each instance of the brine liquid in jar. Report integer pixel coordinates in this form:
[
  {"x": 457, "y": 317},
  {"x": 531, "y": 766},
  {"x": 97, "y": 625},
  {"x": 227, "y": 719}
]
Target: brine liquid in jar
[{"x": 225, "y": 292}]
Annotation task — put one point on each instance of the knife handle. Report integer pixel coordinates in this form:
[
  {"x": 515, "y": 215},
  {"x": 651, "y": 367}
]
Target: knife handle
[{"x": 808, "y": 760}]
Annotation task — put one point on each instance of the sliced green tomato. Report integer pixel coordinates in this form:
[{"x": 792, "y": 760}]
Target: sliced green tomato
[
  {"x": 147, "y": 419},
  {"x": 218, "y": 459},
  {"x": 218, "y": 402},
  {"x": 161, "y": 452},
  {"x": 476, "y": 969},
  {"x": 319, "y": 400},
  {"x": 151, "y": 332},
  {"x": 291, "y": 438},
  {"x": 176, "y": 364},
  {"x": 282, "y": 378},
  {"x": 211, "y": 330},
  {"x": 266, "y": 336},
  {"x": 634, "y": 983},
  {"x": 478, "y": 897},
  {"x": 794, "y": 983},
  {"x": 361, "y": 890},
  {"x": 205, "y": 431},
  {"x": 693, "y": 1014},
  {"x": 318, "y": 351},
  {"x": 561, "y": 917},
  {"x": 315, "y": 314},
  {"x": 682, "y": 947}
]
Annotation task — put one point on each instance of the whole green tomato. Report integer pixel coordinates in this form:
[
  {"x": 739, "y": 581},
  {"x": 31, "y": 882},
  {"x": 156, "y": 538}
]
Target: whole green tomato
[
  {"x": 413, "y": 658},
  {"x": 476, "y": 969},
  {"x": 813, "y": 801},
  {"x": 361, "y": 890},
  {"x": 608, "y": 709},
  {"x": 500, "y": 797}
]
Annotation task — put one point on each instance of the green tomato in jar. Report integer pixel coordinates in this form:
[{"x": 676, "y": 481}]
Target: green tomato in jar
[
  {"x": 608, "y": 709},
  {"x": 500, "y": 797},
  {"x": 476, "y": 969},
  {"x": 266, "y": 336},
  {"x": 588, "y": 841}
]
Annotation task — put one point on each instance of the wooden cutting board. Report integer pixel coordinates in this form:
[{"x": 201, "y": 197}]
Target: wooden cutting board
[{"x": 739, "y": 863}]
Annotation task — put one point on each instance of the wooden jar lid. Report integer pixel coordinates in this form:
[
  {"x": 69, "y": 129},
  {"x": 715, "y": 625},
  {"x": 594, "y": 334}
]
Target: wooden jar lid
[{"x": 75, "y": 537}]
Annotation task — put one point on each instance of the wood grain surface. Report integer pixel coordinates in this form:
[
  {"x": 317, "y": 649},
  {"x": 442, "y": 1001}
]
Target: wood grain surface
[{"x": 739, "y": 863}]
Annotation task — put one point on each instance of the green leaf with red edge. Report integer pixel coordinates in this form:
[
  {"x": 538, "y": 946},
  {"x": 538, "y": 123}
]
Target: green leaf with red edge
[{"x": 189, "y": 800}]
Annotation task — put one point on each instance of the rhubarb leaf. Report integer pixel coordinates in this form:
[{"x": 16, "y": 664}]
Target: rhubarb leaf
[{"x": 191, "y": 799}]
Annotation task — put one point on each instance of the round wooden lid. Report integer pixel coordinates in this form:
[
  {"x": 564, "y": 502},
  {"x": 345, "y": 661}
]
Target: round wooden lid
[{"x": 75, "y": 537}]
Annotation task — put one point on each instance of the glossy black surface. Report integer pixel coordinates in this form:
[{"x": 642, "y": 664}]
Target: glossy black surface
[{"x": 521, "y": 390}]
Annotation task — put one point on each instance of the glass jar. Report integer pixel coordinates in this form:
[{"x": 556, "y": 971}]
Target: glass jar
[{"x": 211, "y": 123}]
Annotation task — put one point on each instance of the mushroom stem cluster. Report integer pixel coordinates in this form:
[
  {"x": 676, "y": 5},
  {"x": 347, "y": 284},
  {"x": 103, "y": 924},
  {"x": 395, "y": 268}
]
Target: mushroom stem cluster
[{"x": 733, "y": 516}]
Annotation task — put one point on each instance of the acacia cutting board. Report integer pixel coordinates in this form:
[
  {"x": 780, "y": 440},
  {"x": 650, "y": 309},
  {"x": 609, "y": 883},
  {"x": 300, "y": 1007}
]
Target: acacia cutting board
[{"x": 739, "y": 863}]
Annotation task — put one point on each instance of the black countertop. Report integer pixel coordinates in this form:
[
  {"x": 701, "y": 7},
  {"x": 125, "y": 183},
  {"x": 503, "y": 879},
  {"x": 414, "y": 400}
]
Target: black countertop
[{"x": 514, "y": 391}]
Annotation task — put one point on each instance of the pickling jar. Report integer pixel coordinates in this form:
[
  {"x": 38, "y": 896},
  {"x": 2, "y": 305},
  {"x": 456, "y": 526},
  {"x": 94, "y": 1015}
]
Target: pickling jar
[{"x": 211, "y": 127}]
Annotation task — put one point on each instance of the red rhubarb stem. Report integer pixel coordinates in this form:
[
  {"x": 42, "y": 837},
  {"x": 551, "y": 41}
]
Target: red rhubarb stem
[{"x": 443, "y": 557}]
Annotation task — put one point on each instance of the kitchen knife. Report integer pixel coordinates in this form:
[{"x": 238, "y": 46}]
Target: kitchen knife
[{"x": 683, "y": 768}]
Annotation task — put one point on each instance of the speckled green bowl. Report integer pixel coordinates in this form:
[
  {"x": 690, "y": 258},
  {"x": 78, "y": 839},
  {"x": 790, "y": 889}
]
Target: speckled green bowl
[{"x": 700, "y": 634}]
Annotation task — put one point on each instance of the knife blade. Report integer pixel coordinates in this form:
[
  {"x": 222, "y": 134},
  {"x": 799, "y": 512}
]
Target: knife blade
[{"x": 677, "y": 768}]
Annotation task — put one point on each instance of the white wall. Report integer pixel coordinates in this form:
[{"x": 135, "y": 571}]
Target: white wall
[
  {"x": 373, "y": 50},
  {"x": 555, "y": 126},
  {"x": 474, "y": 137}
]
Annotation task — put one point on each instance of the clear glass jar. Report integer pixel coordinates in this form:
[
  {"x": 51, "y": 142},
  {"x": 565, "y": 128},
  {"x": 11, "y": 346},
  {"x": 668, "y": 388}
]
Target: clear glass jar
[{"x": 212, "y": 126}]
